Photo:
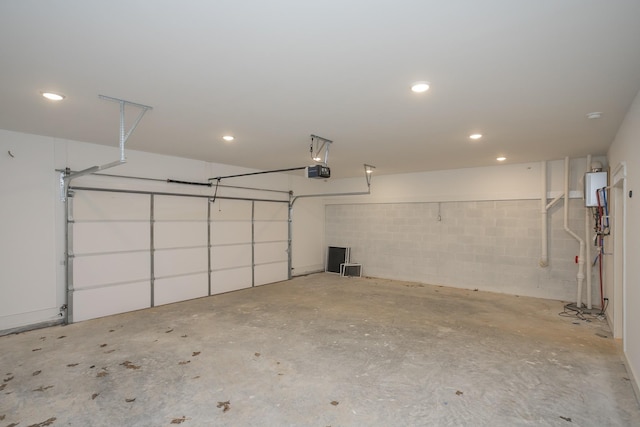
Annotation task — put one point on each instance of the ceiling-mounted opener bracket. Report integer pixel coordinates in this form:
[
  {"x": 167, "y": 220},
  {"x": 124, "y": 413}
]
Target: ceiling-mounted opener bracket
[
  {"x": 65, "y": 177},
  {"x": 320, "y": 145},
  {"x": 368, "y": 171}
]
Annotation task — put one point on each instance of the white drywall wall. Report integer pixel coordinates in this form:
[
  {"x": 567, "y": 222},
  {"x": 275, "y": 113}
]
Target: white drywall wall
[
  {"x": 27, "y": 192},
  {"x": 626, "y": 148},
  {"x": 32, "y": 278},
  {"x": 308, "y": 236},
  {"x": 501, "y": 182}
]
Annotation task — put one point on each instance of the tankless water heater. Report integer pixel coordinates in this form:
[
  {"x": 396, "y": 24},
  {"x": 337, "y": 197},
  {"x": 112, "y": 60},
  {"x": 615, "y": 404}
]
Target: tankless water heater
[{"x": 593, "y": 181}]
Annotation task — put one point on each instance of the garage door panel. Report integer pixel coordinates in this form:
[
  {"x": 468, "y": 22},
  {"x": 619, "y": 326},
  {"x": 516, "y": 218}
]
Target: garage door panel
[
  {"x": 111, "y": 239},
  {"x": 179, "y": 234},
  {"x": 174, "y": 262},
  {"x": 223, "y": 210},
  {"x": 179, "y": 208},
  {"x": 174, "y": 289},
  {"x": 110, "y": 206},
  {"x": 270, "y": 252},
  {"x": 230, "y": 256},
  {"x": 96, "y": 237},
  {"x": 271, "y": 211},
  {"x": 96, "y": 270},
  {"x": 270, "y": 231},
  {"x": 230, "y": 280},
  {"x": 99, "y": 302},
  {"x": 270, "y": 273},
  {"x": 230, "y": 232}
]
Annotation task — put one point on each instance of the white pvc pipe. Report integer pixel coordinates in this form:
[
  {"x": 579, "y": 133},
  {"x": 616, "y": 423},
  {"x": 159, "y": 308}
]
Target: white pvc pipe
[
  {"x": 555, "y": 200},
  {"x": 587, "y": 237},
  {"x": 544, "y": 256},
  {"x": 580, "y": 275},
  {"x": 544, "y": 208}
]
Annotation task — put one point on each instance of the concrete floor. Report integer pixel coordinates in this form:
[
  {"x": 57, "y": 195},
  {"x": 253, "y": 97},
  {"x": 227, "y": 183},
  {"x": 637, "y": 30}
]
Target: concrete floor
[{"x": 322, "y": 350}]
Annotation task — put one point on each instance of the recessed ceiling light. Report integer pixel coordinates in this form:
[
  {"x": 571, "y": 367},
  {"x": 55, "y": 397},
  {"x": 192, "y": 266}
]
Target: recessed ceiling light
[
  {"x": 228, "y": 138},
  {"x": 501, "y": 158},
  {"x": 420, "y": 87},
  {"x": 594, "y": 115},
  {"x": 475, "y": 136},
  {"x": 52, "y": 96}
]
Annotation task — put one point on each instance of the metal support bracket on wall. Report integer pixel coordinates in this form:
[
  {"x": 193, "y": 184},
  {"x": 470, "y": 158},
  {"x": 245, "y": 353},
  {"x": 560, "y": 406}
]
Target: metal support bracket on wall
[{"x": 65, "y": 177}]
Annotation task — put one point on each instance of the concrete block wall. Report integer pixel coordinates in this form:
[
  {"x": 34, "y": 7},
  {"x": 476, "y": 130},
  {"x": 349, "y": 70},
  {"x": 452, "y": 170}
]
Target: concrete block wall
[{"x": 487, "y": 245}]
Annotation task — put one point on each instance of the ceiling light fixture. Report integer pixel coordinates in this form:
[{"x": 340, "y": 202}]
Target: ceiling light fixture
[
  {"x": 475, "y": 136},
  {"x": 501, "y": 158},
  {"x": 228, "y": 138},
  {"x": 52, "y": 96},
  {"x": 594, "y": 115},
  {"x": 419, "y": 87}
]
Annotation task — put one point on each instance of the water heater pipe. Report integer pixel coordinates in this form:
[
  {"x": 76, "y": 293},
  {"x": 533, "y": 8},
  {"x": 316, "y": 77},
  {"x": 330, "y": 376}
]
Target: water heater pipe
[
  {"x": 587, "y": 233},
  {"x": 544, "y": 208},
  {"x": 580, "y": 275},
  {"x": 544, "y": 256}
]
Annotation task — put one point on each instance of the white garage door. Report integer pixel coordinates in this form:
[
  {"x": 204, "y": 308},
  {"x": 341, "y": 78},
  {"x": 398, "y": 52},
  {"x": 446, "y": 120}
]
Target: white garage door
[
  {"x": 270, "y": 237},
  {"x": 129, "y": 251}
]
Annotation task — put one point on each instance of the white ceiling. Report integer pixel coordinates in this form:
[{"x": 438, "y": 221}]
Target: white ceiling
[{"x": 523, "y": 73}]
